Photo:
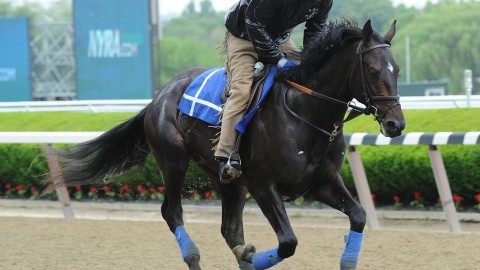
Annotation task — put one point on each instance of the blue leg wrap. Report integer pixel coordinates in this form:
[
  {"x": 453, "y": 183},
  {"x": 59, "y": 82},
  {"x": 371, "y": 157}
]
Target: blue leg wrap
[
  {"x": 352, "y": 250},
  {"x": 266, "y": 259},
  {"x": 185, "y": 242}
]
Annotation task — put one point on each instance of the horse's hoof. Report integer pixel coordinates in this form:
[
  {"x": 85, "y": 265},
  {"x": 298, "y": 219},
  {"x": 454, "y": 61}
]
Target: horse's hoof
[
  {"x": 193, "y": 262},
  {"x": 347, "y": 265},
  {"x": 245, "y": 265},
  {"x": 244, "y": 252}
]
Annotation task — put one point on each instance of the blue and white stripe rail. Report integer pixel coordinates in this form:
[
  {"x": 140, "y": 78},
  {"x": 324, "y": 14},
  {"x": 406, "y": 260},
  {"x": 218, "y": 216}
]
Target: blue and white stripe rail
[{"x": 414, "y": 138}]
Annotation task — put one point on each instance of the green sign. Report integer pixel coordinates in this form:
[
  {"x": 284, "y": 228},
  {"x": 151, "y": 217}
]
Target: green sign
[
  {"x": 113, "y": 49},
  {"x": 14, "y": 60}
]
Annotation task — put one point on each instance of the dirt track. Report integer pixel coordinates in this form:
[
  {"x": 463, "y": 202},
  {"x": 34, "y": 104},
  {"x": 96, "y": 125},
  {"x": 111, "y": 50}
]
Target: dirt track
[{"x": 55, "y": 243}]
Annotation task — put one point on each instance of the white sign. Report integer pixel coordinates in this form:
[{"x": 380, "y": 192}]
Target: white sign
[
  {"x": 107, "y": 43},
  {"x": 8, "y": 74}
]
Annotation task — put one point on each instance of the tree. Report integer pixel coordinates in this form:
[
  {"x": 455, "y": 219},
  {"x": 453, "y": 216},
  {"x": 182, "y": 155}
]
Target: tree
[
  {"x": 443, "y": 42},
  {"x": 381, "y": 12},
  {"x": 177, "y": 55},
  {"x": 190, "y": 9},
  {"x": 206, "y": 8}
]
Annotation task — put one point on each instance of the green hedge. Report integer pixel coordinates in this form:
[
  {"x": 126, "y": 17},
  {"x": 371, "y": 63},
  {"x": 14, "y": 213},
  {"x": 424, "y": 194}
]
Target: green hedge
[
  {"x": 391, "y": 170},
  {"x": 403, "y": 170},
  {"x": 26, "y": 165}
]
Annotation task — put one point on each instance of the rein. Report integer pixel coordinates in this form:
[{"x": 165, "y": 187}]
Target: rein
[{"x": 355, "y": 112}]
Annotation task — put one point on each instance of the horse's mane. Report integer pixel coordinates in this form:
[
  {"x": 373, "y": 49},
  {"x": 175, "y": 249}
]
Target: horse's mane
[{"x": 338, "y": 35}]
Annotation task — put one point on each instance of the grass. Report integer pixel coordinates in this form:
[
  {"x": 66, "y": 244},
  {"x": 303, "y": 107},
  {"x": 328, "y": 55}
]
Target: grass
[
  {"x": 61, "y": 121},
  {"x": 450, "y": 120},
  {"x": 454, "y": 120}
]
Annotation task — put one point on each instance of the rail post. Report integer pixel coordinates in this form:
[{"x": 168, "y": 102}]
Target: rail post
[
  {"x": 444, "y": 190},
  {"x": 61, "y": 190},
  {"x": 468, "y": 86},
  {"x": 363, "y": 189}
]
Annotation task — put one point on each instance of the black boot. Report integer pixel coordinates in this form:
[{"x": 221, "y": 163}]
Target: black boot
[{"x": 229, "y": 169}]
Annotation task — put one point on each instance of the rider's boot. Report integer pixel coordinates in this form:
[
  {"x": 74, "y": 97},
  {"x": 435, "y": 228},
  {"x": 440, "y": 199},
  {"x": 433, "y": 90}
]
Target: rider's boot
[{"x": 230, "y": 169}]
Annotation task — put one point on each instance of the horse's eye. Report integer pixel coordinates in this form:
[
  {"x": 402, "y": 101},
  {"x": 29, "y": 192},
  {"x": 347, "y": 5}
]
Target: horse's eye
[{"x": 374, "y": 74}]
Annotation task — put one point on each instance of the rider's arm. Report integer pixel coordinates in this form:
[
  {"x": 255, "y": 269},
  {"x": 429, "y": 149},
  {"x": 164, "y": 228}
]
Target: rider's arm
[
  {"x": 258, "y": 13},
  {"x": 317, "y": 24}
]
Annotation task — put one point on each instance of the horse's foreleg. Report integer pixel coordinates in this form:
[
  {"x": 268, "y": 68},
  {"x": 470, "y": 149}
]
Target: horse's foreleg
[
  {"x": 173, "y": 172},
  {"x": 337, "y": 196},
  {"x": 271, "y": 204},
  {"x": 233, "y": 202}
]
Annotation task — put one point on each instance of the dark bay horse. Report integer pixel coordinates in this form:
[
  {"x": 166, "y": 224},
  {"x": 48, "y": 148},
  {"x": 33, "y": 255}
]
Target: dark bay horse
[{"x": 293, "y": 146}]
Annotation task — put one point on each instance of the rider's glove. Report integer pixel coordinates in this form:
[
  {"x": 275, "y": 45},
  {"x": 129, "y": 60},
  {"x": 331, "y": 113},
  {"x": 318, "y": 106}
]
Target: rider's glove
[{"x": 285, "y": 63}]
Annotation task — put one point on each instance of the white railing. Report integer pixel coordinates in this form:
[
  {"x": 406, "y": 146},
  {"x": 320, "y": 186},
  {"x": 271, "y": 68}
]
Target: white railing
[
  {"x": 439, "y": 102},
  {"x": 120, "y": 105},
  {"x": 135, "y": 105}
]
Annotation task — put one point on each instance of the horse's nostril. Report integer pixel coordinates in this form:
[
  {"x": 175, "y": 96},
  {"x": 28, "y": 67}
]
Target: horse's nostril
[{"x": 392, "y": 126}]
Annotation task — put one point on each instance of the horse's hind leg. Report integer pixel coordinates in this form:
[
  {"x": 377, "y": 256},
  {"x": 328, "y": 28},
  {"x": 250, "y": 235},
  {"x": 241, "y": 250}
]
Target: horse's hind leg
[
  {"x": 337, "y": 196},
  {"x": 173, "y": 173}
]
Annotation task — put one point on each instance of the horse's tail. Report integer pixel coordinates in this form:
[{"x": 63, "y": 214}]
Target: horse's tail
[{"x": 112, "y": 153}]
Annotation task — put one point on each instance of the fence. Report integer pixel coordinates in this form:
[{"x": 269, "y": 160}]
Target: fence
[
  {"x": 436, "y": 160},
  {"x": 356, "y": 164},
  {"x": 422, "y": 102}
]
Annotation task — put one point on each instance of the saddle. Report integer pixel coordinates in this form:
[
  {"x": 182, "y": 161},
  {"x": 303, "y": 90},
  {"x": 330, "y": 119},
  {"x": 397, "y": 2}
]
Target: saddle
[{"x": 259, "y": 78}]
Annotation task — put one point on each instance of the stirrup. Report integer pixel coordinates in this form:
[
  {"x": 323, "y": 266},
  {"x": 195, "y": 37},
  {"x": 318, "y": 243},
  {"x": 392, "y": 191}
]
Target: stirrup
[{"x": 229, "y": 169}]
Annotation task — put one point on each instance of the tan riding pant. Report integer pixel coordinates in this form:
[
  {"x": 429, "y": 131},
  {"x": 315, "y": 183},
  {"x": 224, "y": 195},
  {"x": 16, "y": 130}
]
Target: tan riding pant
[{"x": 240, "y": 70}]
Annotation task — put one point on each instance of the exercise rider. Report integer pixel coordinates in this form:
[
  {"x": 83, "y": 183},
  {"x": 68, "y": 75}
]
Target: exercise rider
[{"x": 259, "y": 31}]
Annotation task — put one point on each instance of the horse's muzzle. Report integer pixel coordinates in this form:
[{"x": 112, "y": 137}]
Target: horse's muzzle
[{"x": 392, "y": 128}]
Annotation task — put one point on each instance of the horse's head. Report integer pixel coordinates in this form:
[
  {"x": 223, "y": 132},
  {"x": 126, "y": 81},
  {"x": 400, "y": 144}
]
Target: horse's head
[{"x": 374, "y": 82}]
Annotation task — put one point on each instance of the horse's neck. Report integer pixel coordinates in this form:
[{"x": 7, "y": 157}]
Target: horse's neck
[{"x": 332, "y": 80}]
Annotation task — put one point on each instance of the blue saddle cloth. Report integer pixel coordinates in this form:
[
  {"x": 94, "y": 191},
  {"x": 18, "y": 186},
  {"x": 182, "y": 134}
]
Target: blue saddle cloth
[{"x": 202, "y": 97}]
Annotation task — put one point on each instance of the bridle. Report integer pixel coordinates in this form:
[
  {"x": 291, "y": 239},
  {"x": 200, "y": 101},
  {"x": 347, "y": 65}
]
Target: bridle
[{"x": 370, "y": 99}]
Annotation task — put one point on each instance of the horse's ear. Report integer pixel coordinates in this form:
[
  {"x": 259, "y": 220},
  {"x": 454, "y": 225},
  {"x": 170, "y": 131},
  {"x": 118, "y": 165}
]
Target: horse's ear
[
  {"x": 367, "y": 31},
  {"x": 391, "y": 33}
]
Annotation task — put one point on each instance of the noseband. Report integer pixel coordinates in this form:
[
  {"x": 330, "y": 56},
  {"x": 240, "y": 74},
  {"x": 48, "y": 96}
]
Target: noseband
[{"x": 369, "y": 98}]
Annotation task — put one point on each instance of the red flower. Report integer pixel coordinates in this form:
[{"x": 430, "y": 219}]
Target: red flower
[
  {"x": 93, "y": 189},
  {"x": 121, "y": 191},
  {"x": 457, "y": 198},
  {"x": 78, "y": 188},
  {"x": 20, "y": 187},
  {"x": 106, "y": 188},
  {"x": 418, "y": 196},
  {"x": 153, "y": 190},
  {"x": 161, "y": 189},
  {"x": 126, "y": 187},
  {"x": 141, "y": 189},
  {"x": 396, "y": 199},
  {"x": 8, "y": 186},
  {"x": 33, "y": 190},
  {"x": 374, "y": 196},
  {"x": 195, "y": 193},
  {"x": 208, "y": 195},
  {"x": 477, "y": 198}
]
